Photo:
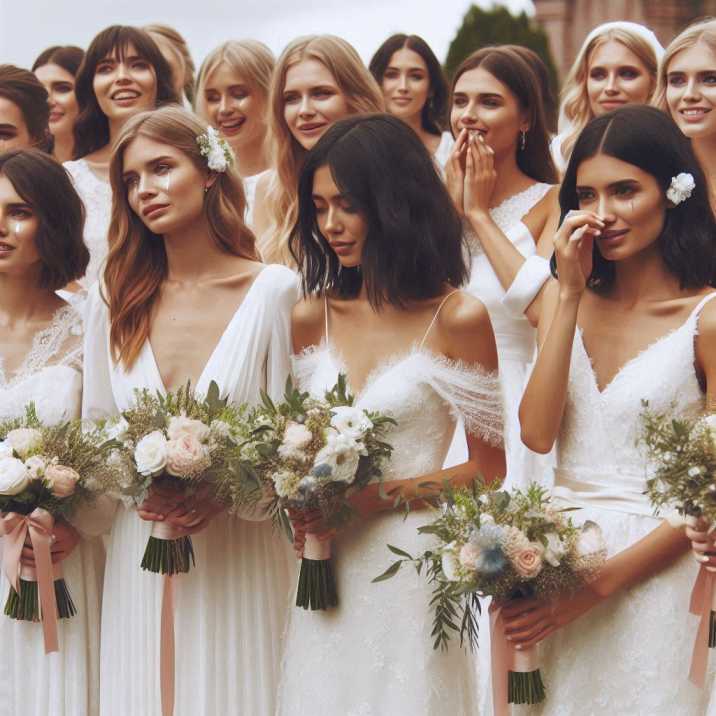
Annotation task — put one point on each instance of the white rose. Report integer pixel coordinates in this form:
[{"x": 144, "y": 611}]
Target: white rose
[
  {"x": 681, "y": 188},
  {"x": 180, "y": 425},
  {"x": 350, "y": 421},
  {"x": 116, "y": 429},
  {"x": 14, "y": 476},
  {"x": 286, "y": 483},
  {"x": 24, "y": 440},
  {"x": 36, "y": 466},
  {"x": 187, "y": 457},
  {"x": 591, "y": 540},
  {"x": 342, "y": 454},
  {"x": 555, "y": 549},
  {"x": 295, "y": 438},
  {"x": 150, "y": 455},
  {"x": 451, "y": 566},
  {"x": 6, "y": 449}
]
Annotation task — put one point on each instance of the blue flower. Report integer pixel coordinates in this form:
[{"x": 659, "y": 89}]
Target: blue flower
[
  {"x": 322, "y": 470},
  {"x": 491, "y": 559}
]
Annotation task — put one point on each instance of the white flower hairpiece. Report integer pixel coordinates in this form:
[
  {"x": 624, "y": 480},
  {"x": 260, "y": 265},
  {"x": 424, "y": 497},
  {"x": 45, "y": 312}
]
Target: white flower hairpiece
[
  {"x": 218, "y": 153},
  {"x": 680, "y": 188}
]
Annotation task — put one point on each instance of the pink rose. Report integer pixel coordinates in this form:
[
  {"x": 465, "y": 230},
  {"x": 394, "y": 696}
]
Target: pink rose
[
  {"x": 468, "y": 555},
  {"x": 528, "y": 561},
  {"x": 180, "y": 425},
  {"x": 187, "y": 457},
  {"x": 61, "y": 480}
]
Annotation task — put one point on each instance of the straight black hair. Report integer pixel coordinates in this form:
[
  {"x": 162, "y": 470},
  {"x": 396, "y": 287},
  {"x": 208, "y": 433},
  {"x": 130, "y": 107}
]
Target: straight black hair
[
  {"x": 650, "y": 140},
  {"x": 414, "y": 242}
]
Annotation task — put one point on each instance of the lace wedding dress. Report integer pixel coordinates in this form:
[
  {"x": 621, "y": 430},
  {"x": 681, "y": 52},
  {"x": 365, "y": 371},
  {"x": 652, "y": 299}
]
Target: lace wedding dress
[
  {"x": 630, "y": 655},
  {"x": 373, "y": 654},
  {"x": 65, "y": 683},
  {"x": 230, "y": 610}
]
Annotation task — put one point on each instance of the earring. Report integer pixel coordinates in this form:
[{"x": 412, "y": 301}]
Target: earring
[
  {"x": 206, "y": 189},
  {"x": 523, "y": 140}
]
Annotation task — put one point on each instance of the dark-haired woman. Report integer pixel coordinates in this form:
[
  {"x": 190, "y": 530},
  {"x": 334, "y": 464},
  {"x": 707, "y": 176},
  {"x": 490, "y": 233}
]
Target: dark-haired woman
[
  {"x": 41, "y": 250},
  {"x": 630, "y": 318},
  {"x": 24, "y": 112},
  {"x": 123, "y": 73},
  {"x": 415, "y": 90},
  {"x": 56, "y": 68},
  {"x": 380, "y": 250}
]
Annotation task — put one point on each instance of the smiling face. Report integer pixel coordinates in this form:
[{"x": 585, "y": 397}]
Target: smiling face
[
  {"x": 484, "y": 105},
  {"x": 234, "y": 107},
  {"x": 406, "y": 84},
  {"x": 13, "y": 129},
  {"x": 691, "y": 90},
  {"x": 18, "y": 227},
  {"x": 342, "y": 226},
  {"x": 60, "y": 86},
  {"x": 312, "y": 101},
  {"x": 124, "y": 84},
  {"x": 615, "y": 77},
  {"x": 164, "y": 187},
  {"x": 628, "y": 199}
]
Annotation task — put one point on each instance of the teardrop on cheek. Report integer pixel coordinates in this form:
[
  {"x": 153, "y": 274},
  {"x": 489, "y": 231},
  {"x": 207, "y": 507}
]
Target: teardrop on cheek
[
  {"x": 167, "y": 182},
  {"x": 17, "y": 228}
]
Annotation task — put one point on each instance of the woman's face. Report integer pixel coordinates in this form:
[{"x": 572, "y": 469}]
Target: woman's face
[
  {"x": 235, "y": 107},
  {"x": 342, "y": 226},
  {"x": 174, "y": 60},
  {"x": 60, "y": 86},
  {"x": 485, "y": 106},
  {"x": 628, "y": 199},
  {"x": 406, "y": 84},
  {"x": 164, "y": 187},
  {"x": 18, "y": 228},
  {"x": 312, "y": 101},
  {"x": 691, "y": 90},
  {"x": 124, "y": 85},
  {"x": 615, "y": 77},
  {"x": 14, "y": 133}
]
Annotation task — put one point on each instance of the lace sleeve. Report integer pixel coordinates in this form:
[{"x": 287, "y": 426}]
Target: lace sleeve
[
  {"x": 303, "y": 366},
  {"x": 474, "y": 395}
]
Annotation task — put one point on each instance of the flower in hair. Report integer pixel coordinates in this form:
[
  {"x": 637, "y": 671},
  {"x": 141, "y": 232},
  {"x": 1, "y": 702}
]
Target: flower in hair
[
  {"x": 216, "y": 150},
  {"x": 680, "y": 188}
]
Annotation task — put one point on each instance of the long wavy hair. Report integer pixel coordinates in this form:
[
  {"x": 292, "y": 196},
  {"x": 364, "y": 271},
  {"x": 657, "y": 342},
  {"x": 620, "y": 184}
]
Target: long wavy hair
[
  {"x": 137, "y": 260},
  {"x": 181, "y": 50},
  {"x": 362, "y": 96}
]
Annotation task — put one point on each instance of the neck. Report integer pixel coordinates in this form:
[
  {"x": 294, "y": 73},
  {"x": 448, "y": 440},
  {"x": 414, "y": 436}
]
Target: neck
[
  {"x": 252, "y": 158},
  {"x": 21, "y": 299},
  {"x": 509, "y": 177},
  {"x": 64, "y": 147},
  {"x": 643, "y": 278},
  {"x": 192, "y": 254}
]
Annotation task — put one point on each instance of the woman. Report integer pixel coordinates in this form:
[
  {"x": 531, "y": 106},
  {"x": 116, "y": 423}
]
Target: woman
[
  {"x": 24, "y": 112},
  {"x": 232, "y": 94},
  {"x": 176, "y": 53},
  {"x": 318, "y": 80},
  {"x": 687, "y": 91},
  {"x": 123, "y": 73},
  {"x": 500, "y": 176},
  {"x": 631, "y": 318},
  {"x": 182, "y": 263},
  {"x": 415, "y": 90},
  {"x": 41, "y": 250},
  {"x": 616, "y": 65},
  {"x": 56, "y": 68},
  {"x": 381, "y": 259}
]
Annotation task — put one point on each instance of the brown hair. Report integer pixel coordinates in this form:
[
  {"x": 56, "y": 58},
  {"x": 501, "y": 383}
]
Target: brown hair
[
  {"x": 22, "y": 88},
  {"x": 178, "y": 44},
  {"x": 68, "y": 57}
]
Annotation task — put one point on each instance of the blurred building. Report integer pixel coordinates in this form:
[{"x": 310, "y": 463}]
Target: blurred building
[{"x": 568, "y": 22}]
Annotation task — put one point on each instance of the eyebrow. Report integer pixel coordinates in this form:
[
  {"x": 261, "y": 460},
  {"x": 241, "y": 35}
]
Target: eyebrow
[
  {"x": 612, "y": 184},
  {"x": 7, "y": 126},
  {"x": 149, "y": 162}
]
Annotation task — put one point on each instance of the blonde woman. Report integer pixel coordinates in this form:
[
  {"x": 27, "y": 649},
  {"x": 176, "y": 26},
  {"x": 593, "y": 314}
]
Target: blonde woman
[
  {"x": 318, "y": 80},
  {"x": 687, "y": 91},
  {"x": 185, "y": 298},
  {"x": 616, "y": 65},
  {"x": 233, "y": 96},
  {"x": 176, "y": 52}
]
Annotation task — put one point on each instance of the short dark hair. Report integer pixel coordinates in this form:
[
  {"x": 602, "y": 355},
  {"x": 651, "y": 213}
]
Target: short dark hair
[
  {"x": 414, "y": 243},
  {"x": 92, "y": 127},
  {"x": 47, "y": 187},
  {"x": 22, "y": 88},
  {"x": 650, "y": 140},
  {"x": 68, "y": 57},
  {"x": 434, "y": 112}
]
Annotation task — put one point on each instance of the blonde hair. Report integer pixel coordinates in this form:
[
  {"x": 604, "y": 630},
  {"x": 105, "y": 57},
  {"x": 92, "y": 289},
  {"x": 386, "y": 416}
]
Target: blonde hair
[
  {"x": 181, "y": 50},
  {"x": 701, "y": 31},
  {"x": 137, "y": 260},
  {"x": 575, "y": 110},
  {"x": 362, "y": 96}
]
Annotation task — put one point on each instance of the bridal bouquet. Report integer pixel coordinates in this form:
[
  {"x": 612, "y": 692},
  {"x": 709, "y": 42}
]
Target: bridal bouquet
[
  {"x": 306, "y": 454},
  {"x": 503, "y": 545},
  {"x": 46, "y": 473}
]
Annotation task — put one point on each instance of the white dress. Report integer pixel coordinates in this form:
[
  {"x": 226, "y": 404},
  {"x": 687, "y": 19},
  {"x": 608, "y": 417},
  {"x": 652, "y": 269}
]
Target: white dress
[
  {"x": 231, "y": 608},
  {"x": 373, "y": 655},
  {"x": 65, "y": 683},
  {"x": 250, "y": 184},
  {"x": 631, "y": 654},
  {"x": 442, "y": 153},
  {"x": 96, "y": 195}
]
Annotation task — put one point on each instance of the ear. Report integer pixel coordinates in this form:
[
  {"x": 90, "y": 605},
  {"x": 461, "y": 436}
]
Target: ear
[{"x": 210, "y": 181}]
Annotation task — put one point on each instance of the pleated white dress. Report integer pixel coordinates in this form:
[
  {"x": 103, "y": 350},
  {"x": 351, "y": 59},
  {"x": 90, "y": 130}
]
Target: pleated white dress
[{"x": 231, "y": 607}]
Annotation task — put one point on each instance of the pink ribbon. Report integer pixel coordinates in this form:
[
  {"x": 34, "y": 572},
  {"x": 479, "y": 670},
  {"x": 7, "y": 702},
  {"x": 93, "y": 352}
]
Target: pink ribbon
[
  {"x": 316, "y": 549},
  {"x": 15, "y": 528},
  {"x": 701, "y": 604},
  {"x": 166, "y": 649},
  {"x": 502, "y": 660}
]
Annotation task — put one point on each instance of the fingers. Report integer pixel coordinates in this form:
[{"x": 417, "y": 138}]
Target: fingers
[
  {"x": 150, "y": 516},
  {"x": 540, "y": 636},
  {"x": 516, "y": 607}
]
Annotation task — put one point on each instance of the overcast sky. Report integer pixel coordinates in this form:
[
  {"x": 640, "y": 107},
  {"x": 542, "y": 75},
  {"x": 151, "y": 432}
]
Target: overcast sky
[{"x": 29, "y": 26}]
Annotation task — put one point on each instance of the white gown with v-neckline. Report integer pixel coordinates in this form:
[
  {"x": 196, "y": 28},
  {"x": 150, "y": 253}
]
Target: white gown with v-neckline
[{"x": 231, "y": 608}]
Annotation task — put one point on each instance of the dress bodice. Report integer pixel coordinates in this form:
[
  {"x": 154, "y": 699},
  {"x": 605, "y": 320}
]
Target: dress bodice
[{"x": 250, "y": 184}]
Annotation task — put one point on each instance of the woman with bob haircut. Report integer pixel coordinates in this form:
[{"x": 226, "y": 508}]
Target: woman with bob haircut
[
  {"x": 233, "y": 96},
  {"x": 123, "y": 73},
  {"x": 41, "y": 250},
  {"x": 318, "y": 80},
  {"x": 380, "y": 250},
  {"x": 630, "y": 318},
  {"x": 415, "y": 90},
  {"x": 616, "y": 65},
  {"x": 56, "y": 68},
  {"x": 182, "y": 263},
  {"x": 24, "y": 112}
]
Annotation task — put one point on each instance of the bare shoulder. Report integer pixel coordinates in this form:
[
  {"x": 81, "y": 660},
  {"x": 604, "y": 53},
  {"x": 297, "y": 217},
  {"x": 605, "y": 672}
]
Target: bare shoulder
[{"x": 307, "y": 322}]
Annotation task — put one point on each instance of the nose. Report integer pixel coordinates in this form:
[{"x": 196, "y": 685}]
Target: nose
[
  {"x": 224, "y": 105},
  {"x": 612, "y": 87},
  {"x": 604, "y": 209},
  {"x": 333, "y": 225},
  {"x": 469, "y": 115},
  {"x": 403, "y": 83},
  {"x": 306, "y": 107},
  {"x": 692, "y": 90},
  {"x": 122, "y": 73},
  {"x": 145, "y": 190}
]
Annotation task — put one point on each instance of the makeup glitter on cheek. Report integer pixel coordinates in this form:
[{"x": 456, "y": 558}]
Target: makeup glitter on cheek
[{"x": 167, "y": 181}]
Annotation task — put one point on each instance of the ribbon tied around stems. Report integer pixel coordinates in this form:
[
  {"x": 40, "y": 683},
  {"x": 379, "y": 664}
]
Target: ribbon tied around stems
[
  {"x": 15, "y": 528},
  {"x": 702, "y": 603}
]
